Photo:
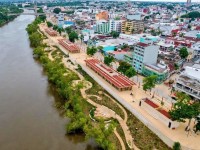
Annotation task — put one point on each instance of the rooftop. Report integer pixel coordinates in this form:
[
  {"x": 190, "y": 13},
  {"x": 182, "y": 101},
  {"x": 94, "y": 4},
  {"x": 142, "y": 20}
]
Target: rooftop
[
  {"x": 115, "y": 78},
  {"x": 142, "y": 44}
]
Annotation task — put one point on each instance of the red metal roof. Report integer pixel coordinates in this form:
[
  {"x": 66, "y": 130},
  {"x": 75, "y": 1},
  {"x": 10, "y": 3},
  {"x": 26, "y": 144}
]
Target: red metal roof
[
  {"x": 51, "y": 32},
  {"x": 112, "y": 76},
  {"x": 69, "y": 46}
]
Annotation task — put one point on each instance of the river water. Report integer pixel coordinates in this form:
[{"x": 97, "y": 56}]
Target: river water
[{"x": 28, "y": 118}]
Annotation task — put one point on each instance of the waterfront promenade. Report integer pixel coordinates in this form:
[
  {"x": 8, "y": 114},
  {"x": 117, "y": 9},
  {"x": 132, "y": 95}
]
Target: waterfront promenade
[{"x": 188, "y": 141}]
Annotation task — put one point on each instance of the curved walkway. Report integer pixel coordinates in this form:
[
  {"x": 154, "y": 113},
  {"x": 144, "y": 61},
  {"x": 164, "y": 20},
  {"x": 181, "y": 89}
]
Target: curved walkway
[{"x": 120, "y": 139}]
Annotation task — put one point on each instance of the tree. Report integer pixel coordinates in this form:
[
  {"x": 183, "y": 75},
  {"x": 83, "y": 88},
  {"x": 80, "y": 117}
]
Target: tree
[
  {"x": 183, "y": 109},
  {"x": 181, "y": 19},
  {"x": 35, "y": 39},
  {"x": 57, "y": 10},
  {"x": 183, "y": 53},
  {"x": 149, "y": 82},
  {"x": 40, "y": 10},
  {"x": 124, "y": 46},
  {"x": 194, "y": 14},
  {"x": 197, "y": 126},
  {"x": 73, "y": 36},
  {"x": 130, "y": 72},
  {"x": 123, "y": 67},
  {"x": 60, "y": 30},
  {"x": 176, "y": 67},
  {"x": 82, "y": 37},
  {"x": 68, "y": 30},
  {"x": 55, "y": 27},
  {"x": 49, "y": 24},
  {"x": 108, "y": 59},
  {"x": 177, "y": 146},
  {"x": 100, "y": 48},
  {"x": 114, "y": 34},
  {"x": 42, "y": 18},
  {"x": 133, "y": 30},
  {"x": 91, "y": 50},
  {"x": 170, "y": 7}
]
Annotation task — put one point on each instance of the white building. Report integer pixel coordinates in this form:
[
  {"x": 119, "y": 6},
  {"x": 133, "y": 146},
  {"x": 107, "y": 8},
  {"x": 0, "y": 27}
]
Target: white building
[
  {"x": 196, "y": 48},
  {"x": 189, "y": 81},
  {"x": 115, "y": 25}
]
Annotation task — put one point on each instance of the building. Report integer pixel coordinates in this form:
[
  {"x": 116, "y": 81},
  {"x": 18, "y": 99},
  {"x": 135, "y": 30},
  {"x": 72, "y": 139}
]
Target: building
[
  {"x": 144, "y": 54},
  {"x": 160, "y": 70},
  {"x": 51, "y": 32},
  {"x": 116, "y": 79},
  {"x": 136, "y": 16},
  {"x": 188, "y": 3},
  {"x": 196, "y": 48},
  {"x": 71, "y": 47},
  {"x": 134, "y": 26},
  {"x": 115, "y": 25},
  {"x": 102, "y": 27},
  {"x": 119, "y": 55},
  {"x": 189, "y": 81},
  {"x": 102, "y": 16}
]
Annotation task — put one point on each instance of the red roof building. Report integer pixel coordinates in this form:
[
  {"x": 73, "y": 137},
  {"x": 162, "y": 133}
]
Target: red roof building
[
  {"x": 116, "y": 79},
  {"x": 71, "y": 47},
  {"x": 51, "y": 32},
  {"x": 142, "y": 44}
]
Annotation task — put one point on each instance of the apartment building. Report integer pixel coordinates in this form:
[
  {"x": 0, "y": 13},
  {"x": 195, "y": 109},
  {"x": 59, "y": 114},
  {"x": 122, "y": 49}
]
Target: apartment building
[
  {"x": 133, "y": 26},
  {"x": 144, "y": 54},
  {"x": 189, "y": 81},
  {"x": 102, "y": 26},
  {"x": 115, "y": 25}
]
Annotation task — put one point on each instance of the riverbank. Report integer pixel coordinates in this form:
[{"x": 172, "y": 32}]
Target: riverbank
[{"x": 76, "y": 107}]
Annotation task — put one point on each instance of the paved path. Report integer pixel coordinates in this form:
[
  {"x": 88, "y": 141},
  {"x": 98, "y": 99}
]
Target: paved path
[{"x": 120, "y": 139}]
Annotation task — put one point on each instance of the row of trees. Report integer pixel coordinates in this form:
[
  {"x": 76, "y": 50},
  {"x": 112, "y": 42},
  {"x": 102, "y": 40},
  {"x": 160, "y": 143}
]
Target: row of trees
[
  {"x": 193, "y": 14},
  {"x": 75, "y": 104}
]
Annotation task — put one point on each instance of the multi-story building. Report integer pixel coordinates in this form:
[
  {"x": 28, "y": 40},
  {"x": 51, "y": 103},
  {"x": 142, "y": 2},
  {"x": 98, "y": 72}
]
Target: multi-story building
[
  {"x": 144, "y": 54},
  {"x": 115, "y": 25},
  {"x": 189, "y": 81},
  {"x": 133, "y": 26},
  {"x": 160, "y": 70},
  {"x": 102, "y": 27},
  {"x": 102, "y": 16}
]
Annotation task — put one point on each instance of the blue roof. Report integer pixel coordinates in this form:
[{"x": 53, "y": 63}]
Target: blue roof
[{"x": 69, "y": 22}]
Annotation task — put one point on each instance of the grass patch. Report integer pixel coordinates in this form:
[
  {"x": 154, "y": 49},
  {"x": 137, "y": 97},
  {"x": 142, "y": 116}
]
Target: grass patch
[
  {"x": 121, "y": 133},
  {"x": 144, "y": 138}
]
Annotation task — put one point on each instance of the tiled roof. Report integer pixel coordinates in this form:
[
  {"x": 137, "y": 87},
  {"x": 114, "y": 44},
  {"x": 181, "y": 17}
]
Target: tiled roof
[
  {"x": 71, "y": 47},
  {"x": 109, "y": 74},
  {"x": 142, "y": 44}
]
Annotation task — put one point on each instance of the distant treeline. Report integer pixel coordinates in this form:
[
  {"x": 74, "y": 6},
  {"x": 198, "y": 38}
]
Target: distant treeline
[
  {"x": 5, "y": 10},
  {"x": 194, "y": 14}
]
